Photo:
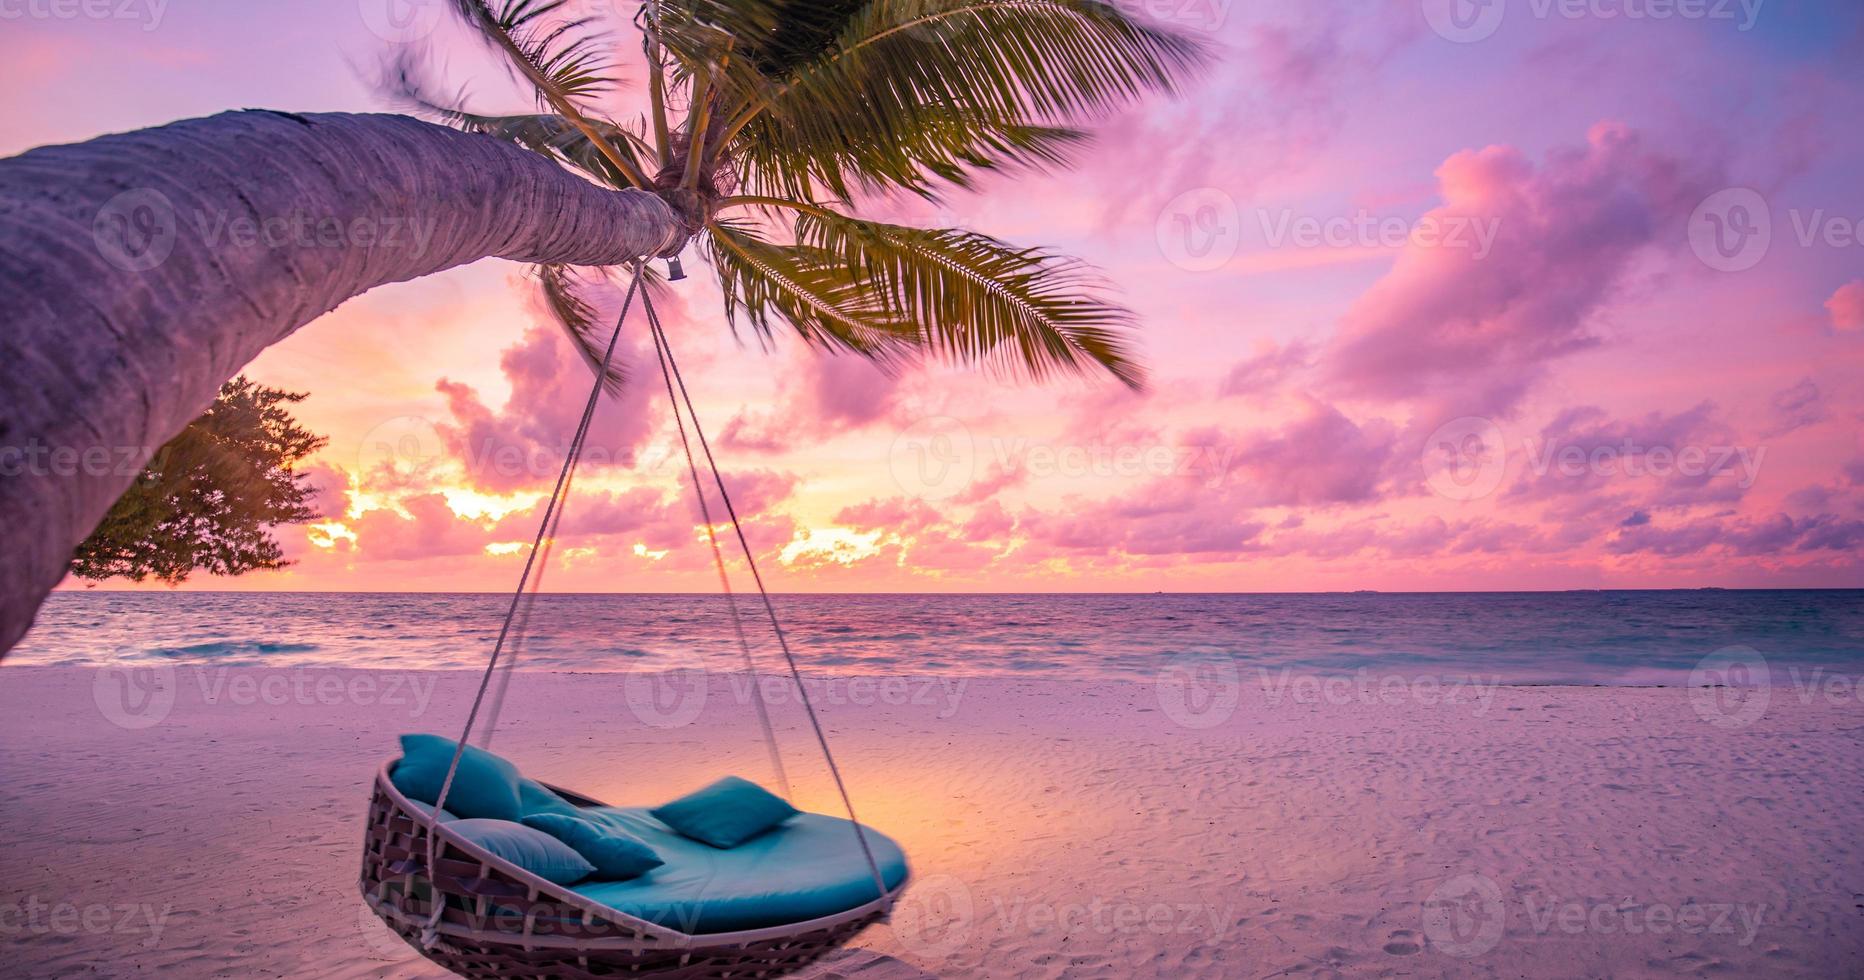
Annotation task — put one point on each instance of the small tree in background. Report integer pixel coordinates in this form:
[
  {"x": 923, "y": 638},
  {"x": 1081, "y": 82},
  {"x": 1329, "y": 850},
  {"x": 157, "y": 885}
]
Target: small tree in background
[{"x": 210, "y": 495}]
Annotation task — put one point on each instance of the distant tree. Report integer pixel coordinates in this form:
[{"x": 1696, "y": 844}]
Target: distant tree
[{"x": 210, "y": 495}]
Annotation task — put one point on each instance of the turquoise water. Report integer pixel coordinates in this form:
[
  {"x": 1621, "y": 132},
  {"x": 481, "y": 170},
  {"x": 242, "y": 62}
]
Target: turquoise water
[{"x": 1556, "y": 637}]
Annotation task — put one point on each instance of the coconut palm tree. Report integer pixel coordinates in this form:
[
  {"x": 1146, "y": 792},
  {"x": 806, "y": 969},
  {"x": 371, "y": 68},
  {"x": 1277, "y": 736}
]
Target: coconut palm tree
[{"x": 144, "y": 269}]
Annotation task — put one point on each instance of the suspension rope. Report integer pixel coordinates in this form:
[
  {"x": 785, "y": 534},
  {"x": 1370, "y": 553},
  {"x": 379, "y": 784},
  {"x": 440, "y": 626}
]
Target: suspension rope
[
  {"x": 521, "y": 629},
  {"x": 718, "y": 559},
  {"x": 670, "y": 368},
  {"x": 430, "y": 932}
]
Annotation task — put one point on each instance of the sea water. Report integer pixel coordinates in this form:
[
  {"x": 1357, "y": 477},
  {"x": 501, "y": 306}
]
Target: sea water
[{"x": 1611, "y": 637}]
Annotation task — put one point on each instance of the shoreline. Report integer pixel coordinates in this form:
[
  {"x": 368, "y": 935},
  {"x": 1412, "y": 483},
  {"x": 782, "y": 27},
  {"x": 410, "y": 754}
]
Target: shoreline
[{"x": 1056, "y": 828}]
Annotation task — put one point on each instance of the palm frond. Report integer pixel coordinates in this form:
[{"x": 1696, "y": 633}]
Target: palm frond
[
  {"x": 903, "y": 69},
  {"x": 404, "y": 83},
  {"x": 559, "y": 58},
  {"x": 764, "y": 283},
  {"x": 560, "y": 55},
  {"x": 946, "y": 149},
  {"x": 974, "y": 299},
  {"x": 562, "y": 291}
]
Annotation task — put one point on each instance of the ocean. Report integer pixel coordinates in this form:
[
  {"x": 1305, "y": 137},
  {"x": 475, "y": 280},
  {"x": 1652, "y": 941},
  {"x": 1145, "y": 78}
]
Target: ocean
[{"x": 1614, "y": 637}]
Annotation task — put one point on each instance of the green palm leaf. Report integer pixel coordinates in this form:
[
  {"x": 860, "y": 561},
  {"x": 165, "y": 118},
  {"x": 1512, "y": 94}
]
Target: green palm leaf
[
  {"x": 975, "y": 299},
  {"x": 908, "y": 75},
  {"x": 577, "y": 316},
  {"x": 561, "y": 56},
  {"x": 764, "y": 283},
  {"x": 552, "y": 135}
]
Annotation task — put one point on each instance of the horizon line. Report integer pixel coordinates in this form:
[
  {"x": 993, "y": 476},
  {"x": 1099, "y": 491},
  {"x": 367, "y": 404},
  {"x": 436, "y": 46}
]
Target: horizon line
[{"x": 1127, "y": 592}]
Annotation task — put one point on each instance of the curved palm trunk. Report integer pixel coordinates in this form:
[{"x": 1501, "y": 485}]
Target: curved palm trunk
[{"x": 141, "y": 270}]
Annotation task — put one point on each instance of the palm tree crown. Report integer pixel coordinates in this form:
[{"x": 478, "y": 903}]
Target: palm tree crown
[{"x": 787, "y": 109}]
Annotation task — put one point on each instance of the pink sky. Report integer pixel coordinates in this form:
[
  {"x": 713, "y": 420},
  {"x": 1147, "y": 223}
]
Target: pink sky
[{"x": 1419, "y": 314}]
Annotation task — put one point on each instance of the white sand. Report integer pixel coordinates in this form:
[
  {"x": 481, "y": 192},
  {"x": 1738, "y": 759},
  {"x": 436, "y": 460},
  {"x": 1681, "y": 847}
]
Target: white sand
[{"x": 1055, "y": 829}]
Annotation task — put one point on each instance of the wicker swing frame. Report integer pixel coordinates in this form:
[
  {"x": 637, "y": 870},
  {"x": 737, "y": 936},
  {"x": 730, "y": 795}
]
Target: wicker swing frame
[{"x": 500, "y": 921}]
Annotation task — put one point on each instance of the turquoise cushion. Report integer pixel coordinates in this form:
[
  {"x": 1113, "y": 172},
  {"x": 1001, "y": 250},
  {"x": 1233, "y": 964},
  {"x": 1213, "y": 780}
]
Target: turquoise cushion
[
  {"x": 528, "y": 848},
  {"x": 484, "y": 786},
  {"x": 534, "y": 798},
  {"x": 809, "y": 867},
  {"x": 616, "y": 855},
  {"x": 726, "y": 813}
]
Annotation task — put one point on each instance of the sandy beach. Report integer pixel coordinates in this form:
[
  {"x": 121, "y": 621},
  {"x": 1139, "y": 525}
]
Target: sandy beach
[{"x": 1056, "y": 829}]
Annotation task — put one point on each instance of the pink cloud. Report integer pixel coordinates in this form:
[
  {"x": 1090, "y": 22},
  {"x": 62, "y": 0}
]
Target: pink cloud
[
  {"x": 1321, "y": 458},
  {"x": 522, "y": 444},
  {"x": 1266, "y": 372},
  {"x": 329, "y": 486},
  {"x": 430, "y": 530},
  {"x": 589, "y": 513},
  {"x": 1471, "y": 332},
  {"x": 1846, "y": 306},
  {"x": 827, "y": 396},
  {"x": 1776, "y": 535},
  {"x": 1657, "y": 460}
]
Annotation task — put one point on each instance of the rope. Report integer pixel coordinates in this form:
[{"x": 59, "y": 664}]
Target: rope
[
  {"x": 521, "y": 629},
  {"x": 718, "y": 559},
  {"x": 671, "y": 370},
  {"x": 430, "y": 932}
]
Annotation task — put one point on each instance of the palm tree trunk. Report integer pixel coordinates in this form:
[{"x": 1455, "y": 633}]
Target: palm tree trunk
[{"x": 141, "y": 270}]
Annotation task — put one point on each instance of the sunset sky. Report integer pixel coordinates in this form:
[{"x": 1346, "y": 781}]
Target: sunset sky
[{"x": 1570, "y": 299}]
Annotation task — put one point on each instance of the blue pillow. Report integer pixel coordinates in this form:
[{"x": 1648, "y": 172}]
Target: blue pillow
[
  {"x": 534, "y": 798},
  {"x": 484, "y": 786},
  {"x": 726, "y": 813},
  {"x": 616, "y": 856},
  {"x": 528, "y": 848}
]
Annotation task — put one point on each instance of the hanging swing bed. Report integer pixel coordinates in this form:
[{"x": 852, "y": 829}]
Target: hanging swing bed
[{"x": 763, "y": 906}]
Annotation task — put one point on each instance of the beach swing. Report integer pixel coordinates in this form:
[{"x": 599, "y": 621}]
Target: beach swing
[{"x": 763, "y": 908}]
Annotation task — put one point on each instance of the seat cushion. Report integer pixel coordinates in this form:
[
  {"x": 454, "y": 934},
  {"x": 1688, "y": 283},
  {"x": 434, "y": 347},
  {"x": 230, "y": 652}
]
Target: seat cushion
[
  {"x": 484, "y": 786},
  {"x": 726, "y": 813},
  {"x": 528, "y": 848},
  {"x": 808, "y": 867},
  {"x": 535, "y": 798},
  {"x": 617, "y": 856}
]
